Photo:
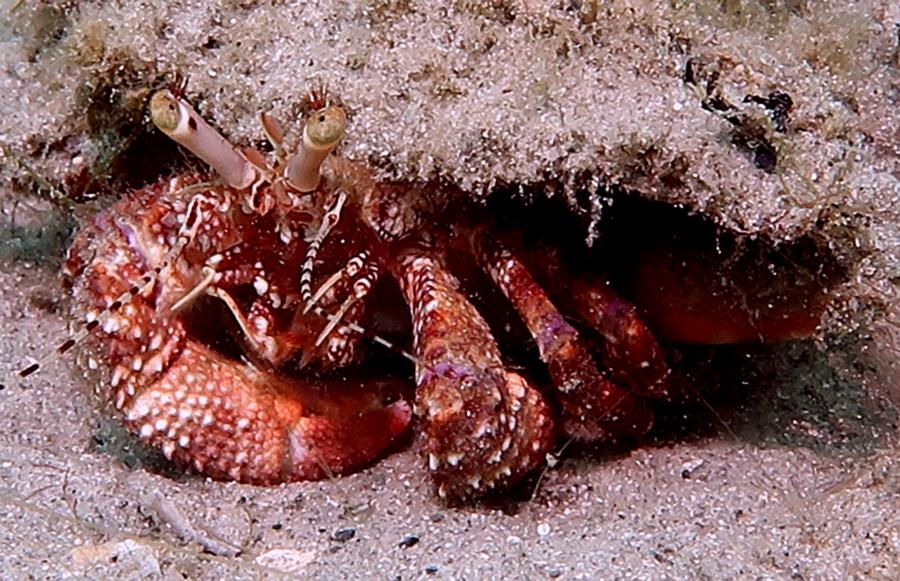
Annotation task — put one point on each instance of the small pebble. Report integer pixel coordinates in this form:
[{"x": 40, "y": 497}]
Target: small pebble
[
  {"x": 431, "y": 569},
  {"x": 343, "y": 535},
  {"x": 543, "y": 529},
  {"x": 437, "y": 517},
  {"x": 138, "y": 557},
  {"x": 409, "y": 541},
  {"x": 688, "y": 468},
  {"x": 286, "y": 560}
]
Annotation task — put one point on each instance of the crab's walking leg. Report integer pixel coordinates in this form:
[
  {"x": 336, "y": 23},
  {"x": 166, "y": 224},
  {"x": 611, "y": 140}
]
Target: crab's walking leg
[
  {"x": 631, "y": 353},
  {"x": 232, "y": 422},
  {"x": 594, "y": 408},
  {"x": 352, "y": 303},
  {"x": 486, "y": 427},
  {"x": 348, "y": 271},
  {"x": 340, "y": 303},
  {"x": 335, "y": 344}
]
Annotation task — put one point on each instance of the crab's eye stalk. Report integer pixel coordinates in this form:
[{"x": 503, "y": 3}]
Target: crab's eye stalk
[
  {"x": 174, "y": 117},
  {"x": 164, "y": 111},
  {"x": 326, "y": 127},
  {"x": 321, "y": 134}
]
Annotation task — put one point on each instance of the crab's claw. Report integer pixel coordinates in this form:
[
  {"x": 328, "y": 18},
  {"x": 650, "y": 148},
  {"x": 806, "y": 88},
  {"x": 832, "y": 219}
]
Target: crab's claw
[
  {"x": 232, "y": 422},
  {"x": 320, "y": 446}
]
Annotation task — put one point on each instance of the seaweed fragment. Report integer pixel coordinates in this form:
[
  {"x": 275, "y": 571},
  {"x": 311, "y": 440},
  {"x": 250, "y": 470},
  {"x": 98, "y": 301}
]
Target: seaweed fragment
[{"x": 751, "y": 132}]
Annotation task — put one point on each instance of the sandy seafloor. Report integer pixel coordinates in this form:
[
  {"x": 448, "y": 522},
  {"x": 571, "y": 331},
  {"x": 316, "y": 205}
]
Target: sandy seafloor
[{"x": 743, "y": 503}]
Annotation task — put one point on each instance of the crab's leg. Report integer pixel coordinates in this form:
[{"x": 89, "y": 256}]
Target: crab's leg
[
  {"x": 630, "y": 352},
  {"x": 594, "y": 408},
  {"x": 335, "y": 344},
  {"x": 349, "y": 270},
  {"x": 339, "y": 302},
  {"x": 486, "y": 427}
]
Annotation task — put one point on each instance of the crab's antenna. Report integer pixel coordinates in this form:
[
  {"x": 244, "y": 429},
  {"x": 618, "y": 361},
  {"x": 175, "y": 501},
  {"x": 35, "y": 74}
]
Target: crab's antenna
[
  {"x": 92, "y": 323},
  {"x": 141, "y": 286},
  {"x": 177, "y": 119},
  {"x": 329, "y": 220},
  {"x": 323, "y": 130}
]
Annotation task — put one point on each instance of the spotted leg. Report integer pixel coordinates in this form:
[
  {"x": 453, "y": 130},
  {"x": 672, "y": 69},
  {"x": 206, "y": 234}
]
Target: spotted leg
[
  {"x": 486, "y": 427},
  {"x": 630, "y": 352},
  {"x": 594, "y": 407}
]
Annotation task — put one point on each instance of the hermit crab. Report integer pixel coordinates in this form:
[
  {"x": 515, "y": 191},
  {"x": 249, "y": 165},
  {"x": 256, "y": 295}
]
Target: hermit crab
[{"x": 279, "y": 259}]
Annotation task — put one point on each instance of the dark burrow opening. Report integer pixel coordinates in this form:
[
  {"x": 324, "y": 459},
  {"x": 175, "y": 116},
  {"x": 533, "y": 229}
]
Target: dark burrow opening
[{"x": 737, "y": 316}]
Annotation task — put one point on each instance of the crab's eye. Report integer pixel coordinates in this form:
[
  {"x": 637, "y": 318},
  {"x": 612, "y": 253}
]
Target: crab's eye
[
  {"x": 325, "y": 127},
  {"x": 164, "y": 111}
]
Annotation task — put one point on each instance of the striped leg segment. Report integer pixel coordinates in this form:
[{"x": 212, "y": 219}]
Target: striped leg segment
[{"x": 327, "y": 326}]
